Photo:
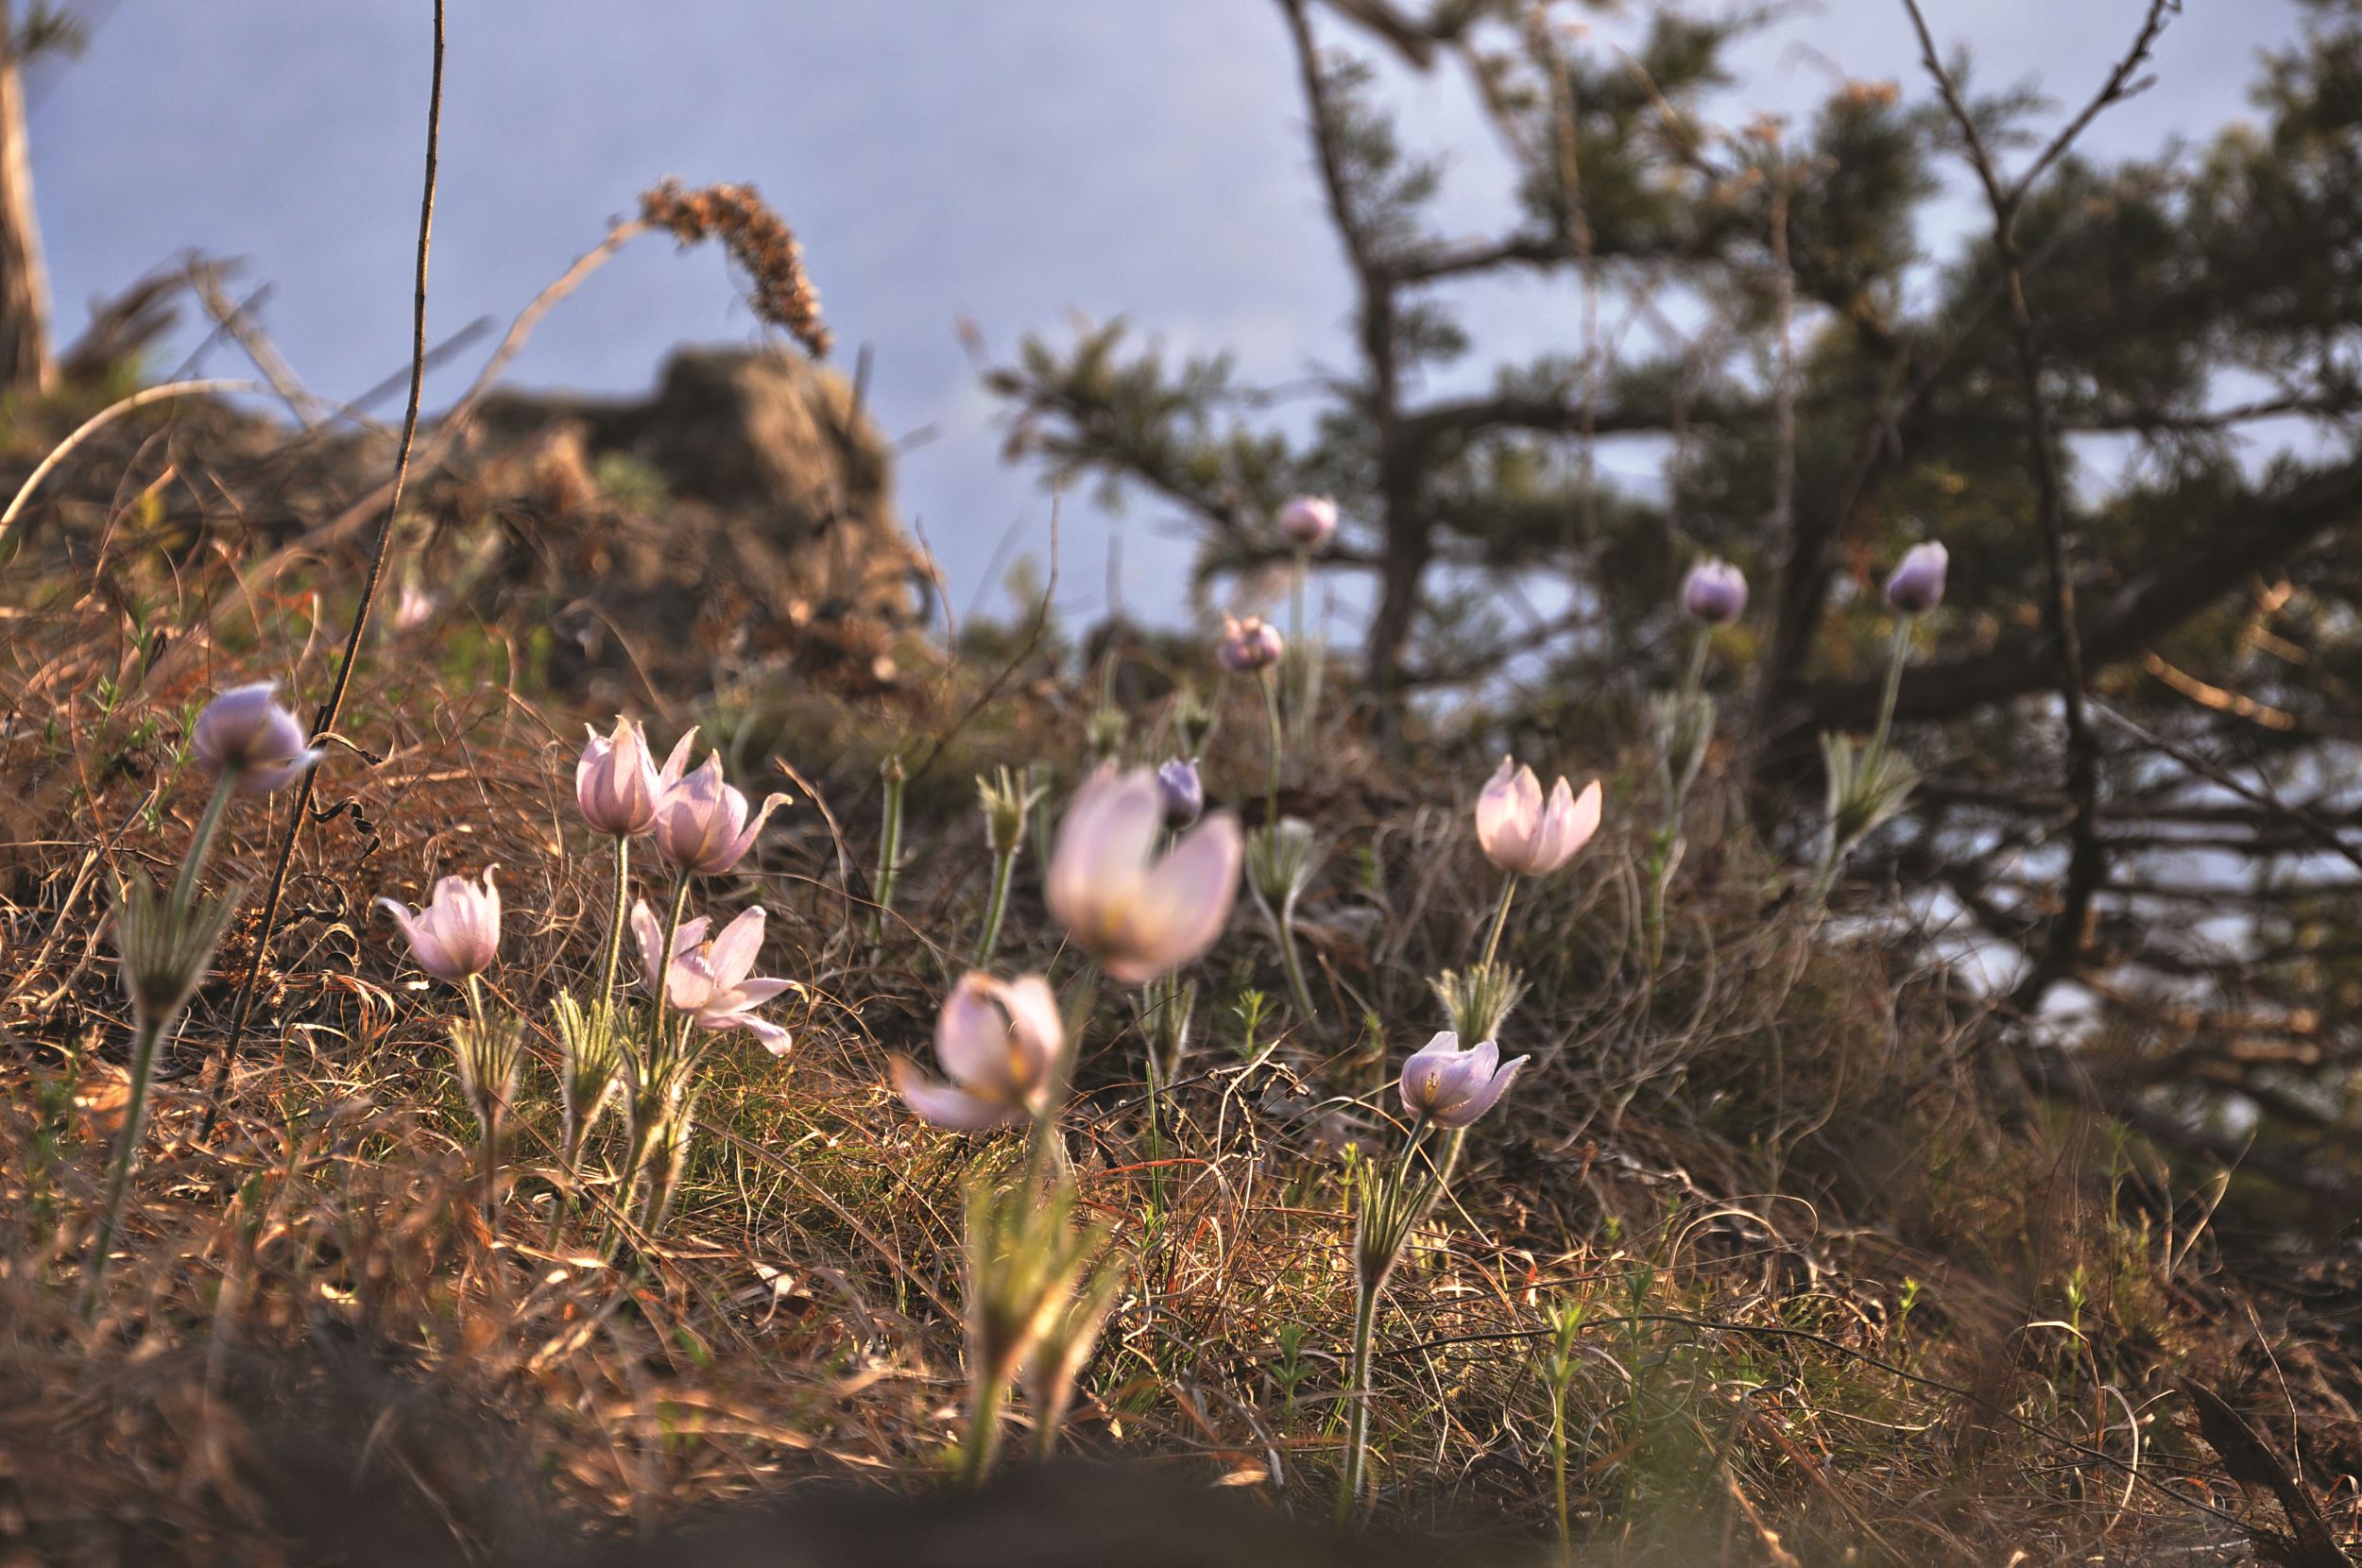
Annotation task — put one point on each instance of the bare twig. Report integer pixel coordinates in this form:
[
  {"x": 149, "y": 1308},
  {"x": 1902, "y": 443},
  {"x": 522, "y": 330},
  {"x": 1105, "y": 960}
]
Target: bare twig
[{"x": 325, "y": 720}]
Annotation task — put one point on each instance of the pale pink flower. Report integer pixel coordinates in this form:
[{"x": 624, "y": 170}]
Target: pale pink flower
[
  {"x": 617, "y": 783},
  {"x": 1308, "y": 520},
  {"x": 1249, "y": 646},
  {"x": 715, "y": 982},
  {"x": 457, "y": 933},
  {"x": 1520, "y": 833},
  {"x": 245, "y": 734},
  {"x": 1141, "y": 914},
  {"x": 701, "y": 822},
  {"x": 1917, "y": 585},
  {"x": 1452, "y": 1088},
  {"x": 414, "y": 607},
  {"x": 998, "y": 1043}
]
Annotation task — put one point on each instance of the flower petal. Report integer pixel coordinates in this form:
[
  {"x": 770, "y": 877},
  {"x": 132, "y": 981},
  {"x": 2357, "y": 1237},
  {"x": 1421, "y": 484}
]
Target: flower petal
[{"x": 945, "y": 1106}]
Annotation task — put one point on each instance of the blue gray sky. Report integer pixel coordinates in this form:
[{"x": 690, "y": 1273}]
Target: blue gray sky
[{"x": 1006, "y": 162}]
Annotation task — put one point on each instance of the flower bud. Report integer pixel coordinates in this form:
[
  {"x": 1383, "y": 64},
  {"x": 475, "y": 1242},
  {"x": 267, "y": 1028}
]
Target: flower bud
[
  {"x": 1310, "y": 521},
  {"x": 1185, "y": 792},
  {"x": 1714, "y": 593},
  {"x": 1917, "y": 585},
  {"x": 1248, "y": 647}
]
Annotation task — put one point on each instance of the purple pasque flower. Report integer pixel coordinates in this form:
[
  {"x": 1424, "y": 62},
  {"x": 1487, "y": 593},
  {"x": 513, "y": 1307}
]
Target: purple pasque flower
[
  {"x": 1248, "y": 647},
  {"x": 1715, "y": 592},
  {"x": 1452, "y": 1088},
  {"x": 1520, "y": 832},
  {"x": 701, "y": 822},
  {"x": 998, "y": 1043},
  {"x": 458, "y": 932},
  {"x": 617, "y": 783},
  {"x": 1141, "y": 915},
  {"x": 715, "y": 982},
  {"x": 1916, "y": 585},
  {"x": 246, "y": 735},
  {"x": 1184, "y": 792},
  {"x": 1310, "y": 521}
]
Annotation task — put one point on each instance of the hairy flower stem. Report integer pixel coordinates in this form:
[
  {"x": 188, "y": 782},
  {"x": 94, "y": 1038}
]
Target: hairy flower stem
[
  {"x": 1358, "y": 1404},
  {"x": 983, "y": 1430},
  {"x": 1303, "y": 661},
  {"x": 1284, "y": 927},
  {"x": 1271, "y": 717},
  {"x": 614, "y": 953},
  {"x": 1501, "y": 920},
  {"x": 660, "y": 982},
  {"x": 1040, "y": 1147},
  {"x": 1666, "y": 854},
  {"x": 143, "y": 1046},
  {"x": 997, "y": 907},
  {"x": 889, "y": 855},
  {"x": 1899, "y": 654},
  {"x": 144, "y": 1043},
  {"x": 201, "y": 842}
]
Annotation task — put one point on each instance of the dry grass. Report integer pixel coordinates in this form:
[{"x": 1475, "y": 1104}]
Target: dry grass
[{"x": 1842, "y": 1301}]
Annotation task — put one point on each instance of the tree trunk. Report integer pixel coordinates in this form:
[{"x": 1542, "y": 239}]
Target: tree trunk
[{"x": 23, "y": 288}]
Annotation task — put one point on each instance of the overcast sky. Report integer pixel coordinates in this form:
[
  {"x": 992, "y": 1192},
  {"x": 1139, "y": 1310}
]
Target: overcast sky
[{"x": 1008, "y": 161}]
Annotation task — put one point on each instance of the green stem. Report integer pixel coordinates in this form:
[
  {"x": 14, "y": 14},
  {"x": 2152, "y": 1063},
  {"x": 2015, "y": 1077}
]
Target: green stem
[
  {"x": 1558, "y": 1467},
  {"x": 660, "y": 982},
  {"x": 997, "y": 907},
  {"x": 1357, "y": 1403},
  {"x": 1500, "y": 921},
  {"x": 1285, "y": 925},
  {"x": 143, "y": 1046},
  {"x": 613, "y": 955},
  {"x": 1899, "y": 654},
  {"x": 983, "y": 1429},
  {"x": 201, "y": 841},
  {"x": 889, "y": 856},
  {"x": 1045, "y": 1133},
  {"x": 1271, "y": 717}
]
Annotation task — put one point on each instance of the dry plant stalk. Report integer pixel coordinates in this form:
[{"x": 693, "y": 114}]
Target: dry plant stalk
[{"x": 758, "y": 239}]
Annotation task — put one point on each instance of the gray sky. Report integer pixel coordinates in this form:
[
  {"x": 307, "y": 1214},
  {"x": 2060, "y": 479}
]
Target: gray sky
[{"x": 1005, "y": 161}]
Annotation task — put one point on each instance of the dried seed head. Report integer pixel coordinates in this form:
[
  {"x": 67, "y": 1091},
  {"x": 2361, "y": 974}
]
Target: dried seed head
[{"x": 758, "y": 239}]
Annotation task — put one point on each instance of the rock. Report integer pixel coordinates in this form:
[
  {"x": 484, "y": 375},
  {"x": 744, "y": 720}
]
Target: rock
[{"x": 742, "y": 514}]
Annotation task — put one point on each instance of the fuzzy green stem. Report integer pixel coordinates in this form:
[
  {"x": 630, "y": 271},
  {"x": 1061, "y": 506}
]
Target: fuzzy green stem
[
  {"x": 984, "y": 1428},
  {"x": 889, "y": 855},
  {"x": 660, "y": 983},
  {"x": 1558, "y": 1466},
  {"x": 143, "y": 1046},
  {"x": 1045, "y": 1133},
  {"x": 1270, "y": 719},
  {"x": 1358, "y": 1402},
  {"x": 997, "y": 907},
  {"x": 201, "y": 841},
  {"x": 1501, "y": 920},
  {"x": 621, "y": 915},
  {"x": 1896, "y": 658},
  {"x": 1284, "y": 923}
]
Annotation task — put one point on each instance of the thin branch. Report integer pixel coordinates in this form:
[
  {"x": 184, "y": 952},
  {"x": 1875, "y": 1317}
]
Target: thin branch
[{"x": 325, "y": 722}]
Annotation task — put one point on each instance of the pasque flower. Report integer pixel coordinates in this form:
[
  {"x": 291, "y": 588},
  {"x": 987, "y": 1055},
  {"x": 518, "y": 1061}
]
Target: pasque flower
[
  {"x": 1141, "y": 914},
  {"x": 458, "y": 933},
  {"x": 701, "y": 822},
  {"x": 1715, "y": 592},
  {"x": 1249, "y": 646},
  {"x": 1520, "y": 832},
  {"x": 245, "y": 733},
  {"x": 1452, "y": 1088},
  {"x": 1184, "y": 793},
  {"x": 1308, "y": 520},
  {"x": 715, "y": 982},
  {"x": 1917, "y": 584},
  {"x": 617, "y": 783},
  {"x": 999, "y": 1044}
]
